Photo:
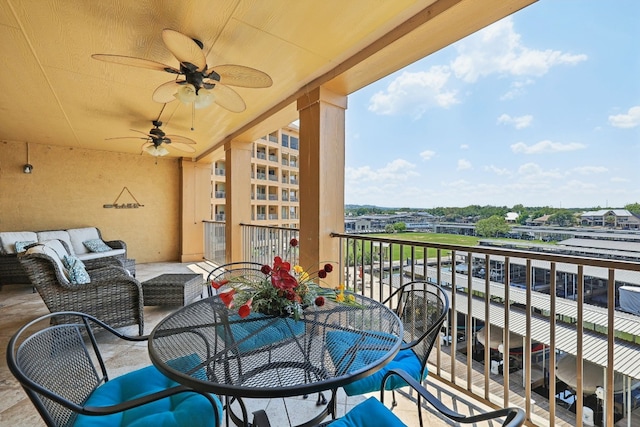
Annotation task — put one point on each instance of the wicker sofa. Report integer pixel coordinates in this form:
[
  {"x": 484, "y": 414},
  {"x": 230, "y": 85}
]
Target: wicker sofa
[{"x": 12, "y": 272}]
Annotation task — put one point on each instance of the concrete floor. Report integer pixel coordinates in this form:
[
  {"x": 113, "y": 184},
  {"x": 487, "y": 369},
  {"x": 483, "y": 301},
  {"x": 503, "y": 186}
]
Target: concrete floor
[{"x": 19, "y": 304}]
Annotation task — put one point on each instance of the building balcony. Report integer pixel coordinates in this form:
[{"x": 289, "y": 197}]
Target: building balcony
[
  {"x": 220, "y": 194},
  {"x": 559, "y": 310}
]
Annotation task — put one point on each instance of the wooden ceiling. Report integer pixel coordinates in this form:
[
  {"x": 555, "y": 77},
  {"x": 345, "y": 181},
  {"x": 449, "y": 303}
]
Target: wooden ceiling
[{"x": 54, "y": 93}]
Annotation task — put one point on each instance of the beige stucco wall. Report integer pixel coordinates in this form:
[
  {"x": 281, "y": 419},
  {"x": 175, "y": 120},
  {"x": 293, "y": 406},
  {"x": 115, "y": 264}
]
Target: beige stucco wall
[{"x": 68, "y": 188}]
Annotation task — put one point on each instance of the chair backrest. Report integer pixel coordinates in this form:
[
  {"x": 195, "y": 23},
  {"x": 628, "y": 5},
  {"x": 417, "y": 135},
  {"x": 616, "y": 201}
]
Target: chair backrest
[
  {"x": 422, "y": 308},
  {"x": 55, "y": 366},
  {"x": 246, "y": 269}
]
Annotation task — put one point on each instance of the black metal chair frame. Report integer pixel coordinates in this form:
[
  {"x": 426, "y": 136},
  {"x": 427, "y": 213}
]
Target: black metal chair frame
[
  {"x": 233, "y": 269},
  {"x": 45, "y": 378}
]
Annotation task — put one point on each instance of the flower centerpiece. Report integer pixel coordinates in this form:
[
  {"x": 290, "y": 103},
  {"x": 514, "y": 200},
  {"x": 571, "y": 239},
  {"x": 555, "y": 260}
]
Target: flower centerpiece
[{"x": 284, "y": 291}]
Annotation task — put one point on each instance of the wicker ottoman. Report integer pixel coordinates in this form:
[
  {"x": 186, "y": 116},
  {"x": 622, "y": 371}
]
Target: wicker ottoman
[{"x": 172, "y": 289}]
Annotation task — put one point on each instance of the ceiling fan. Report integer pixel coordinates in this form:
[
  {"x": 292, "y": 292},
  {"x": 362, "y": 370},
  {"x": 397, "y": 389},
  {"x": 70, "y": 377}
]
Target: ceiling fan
[
  {"x": 156, "y": 140},
  {"x": 195, "y": 82}
]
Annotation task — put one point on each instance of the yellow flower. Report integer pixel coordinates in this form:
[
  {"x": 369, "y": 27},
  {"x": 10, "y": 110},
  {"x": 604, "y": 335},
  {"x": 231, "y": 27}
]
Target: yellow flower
[
  {"x": 304, "y": 277},
  {"x": 341, "y": 288},
  {"x": 340, "y": 297},
  {"x": 352, "y": 298},
  {"x": 297, "y": 269}
]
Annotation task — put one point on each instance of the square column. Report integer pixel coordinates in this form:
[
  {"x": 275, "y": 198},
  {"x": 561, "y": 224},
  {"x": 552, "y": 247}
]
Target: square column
[
  {"x": 238, "y": 196},
  {"x": 195, "y": 208},
  {"x": 322, "y": 140}
]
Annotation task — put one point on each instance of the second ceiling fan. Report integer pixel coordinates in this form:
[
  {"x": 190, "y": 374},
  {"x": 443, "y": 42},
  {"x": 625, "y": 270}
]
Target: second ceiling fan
[{"x": 200, "y": 84}]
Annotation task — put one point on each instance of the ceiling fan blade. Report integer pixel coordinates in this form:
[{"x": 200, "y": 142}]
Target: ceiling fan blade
[
  {"x": 180, "y": 139},
  {"x": 184, "y": 48},
  {"x": 228, "y": 98},
  {"x": 239, "y": 75},
  {"x": 125, "y": 137},
  {"x": 145, "y": 145},
  {"x": 144, "y": 133},
  {"x": 182, "y": 147},
  {"x": 165, "y": 92},
  {"x": 135, "y": 62}
]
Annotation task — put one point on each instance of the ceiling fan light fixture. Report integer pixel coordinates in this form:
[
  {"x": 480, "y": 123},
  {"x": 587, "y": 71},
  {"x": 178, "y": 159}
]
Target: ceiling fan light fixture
[
  {"x": 204, "y": 99},
  {"x": 156, "y": 151},
  {"x": 186, "y": 94}
]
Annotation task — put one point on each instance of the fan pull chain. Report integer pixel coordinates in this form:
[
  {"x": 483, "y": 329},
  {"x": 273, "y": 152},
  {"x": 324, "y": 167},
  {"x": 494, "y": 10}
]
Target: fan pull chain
[{"x": 193, "y": 115}]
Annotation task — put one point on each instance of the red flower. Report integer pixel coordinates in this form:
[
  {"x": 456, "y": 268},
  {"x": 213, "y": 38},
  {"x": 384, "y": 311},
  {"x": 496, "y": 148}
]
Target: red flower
[
  {"x": 293, "y": 242},
  {"x": 281, "y": 279},
  {"x": 279, "y": 265},
  {"x": 328, "y": 268},
  {"x": 227, "y": 297},
  {"x": 265, "y": 269},
  {"x": 319, "y": 301},
  {"x": 322, "y": 274},
  {"x": 245, "y": 308},
  {"x": 218, "y": 285}
]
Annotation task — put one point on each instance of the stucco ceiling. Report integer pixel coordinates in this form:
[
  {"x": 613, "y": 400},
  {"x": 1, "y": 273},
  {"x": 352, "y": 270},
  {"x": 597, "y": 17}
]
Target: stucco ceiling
[{"x": 54, "y": 93}]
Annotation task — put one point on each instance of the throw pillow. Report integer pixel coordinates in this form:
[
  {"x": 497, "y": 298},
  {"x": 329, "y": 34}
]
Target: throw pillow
[
  {"x": 77, "y": 272},
  {"x": 96, "y": 245},
  {"x": 22, "y": 246}
]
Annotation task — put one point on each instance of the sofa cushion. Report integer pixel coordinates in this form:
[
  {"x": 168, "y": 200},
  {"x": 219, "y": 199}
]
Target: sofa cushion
[
  {"x": 47, "y": 250},
  {"x": 96, "y": 245},
  {"x": 96, "y": 255},
  {"x": 8, "y": 240},
  {"x": 80, "y": 235},
  {"x": 62, "y": 235},
  {"x": 57, "y": 246}
]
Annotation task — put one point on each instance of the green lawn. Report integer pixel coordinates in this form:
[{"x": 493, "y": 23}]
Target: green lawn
[{"x": 451, "y": 239}]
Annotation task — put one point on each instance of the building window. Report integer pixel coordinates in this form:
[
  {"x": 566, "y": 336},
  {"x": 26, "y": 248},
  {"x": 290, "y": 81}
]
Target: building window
[{"x": 285, "y": 140}]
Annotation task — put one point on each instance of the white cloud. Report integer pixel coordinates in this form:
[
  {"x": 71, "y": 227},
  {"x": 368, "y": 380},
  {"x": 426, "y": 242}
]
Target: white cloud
[
  {"x": 546, "y": 147},
  {"x": 629, "y": 120},
  {"x": 414, "y": 93},
  {"x": 464, "y": 146},
  {"x": 518, "y": 122},
  {"x": 463, "y": 164},
  {"x": 498, "y": 49},
  {"x": 397, "y": 170},
  {"x": 588, "y": 170},
  {"x": 533, "y": 172},
  {"x": 619, "y": 179},
  {"x": 497, "y": 171},
  {"x": 427, "y": 154}
]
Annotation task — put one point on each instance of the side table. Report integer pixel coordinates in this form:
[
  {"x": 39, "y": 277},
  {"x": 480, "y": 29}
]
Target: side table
[{"x": 172, "y": 289}]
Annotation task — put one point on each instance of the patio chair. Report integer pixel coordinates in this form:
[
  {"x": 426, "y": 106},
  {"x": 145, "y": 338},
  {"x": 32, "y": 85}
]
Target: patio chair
[
  {"x": 373, "y": 412},
  {"x": 231, "y": 270},
  {"x": 62, "y": 370},
  {"x": 422, "y": 308},
  {"x": 111, "y": 294}
]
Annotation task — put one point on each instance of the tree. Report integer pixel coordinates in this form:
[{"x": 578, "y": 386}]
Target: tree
[
  {"x": 399, "y": 227},
  {"x": 493, "y": 226},
  {"x": 389, "y": 229},
  {"x": 633, "y": 208},
  {"x": 563, "y": 218}
]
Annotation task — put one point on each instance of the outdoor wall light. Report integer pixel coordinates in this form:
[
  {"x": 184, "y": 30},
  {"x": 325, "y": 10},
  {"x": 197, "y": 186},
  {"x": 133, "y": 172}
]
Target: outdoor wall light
[{"x": 27, "y": 168}]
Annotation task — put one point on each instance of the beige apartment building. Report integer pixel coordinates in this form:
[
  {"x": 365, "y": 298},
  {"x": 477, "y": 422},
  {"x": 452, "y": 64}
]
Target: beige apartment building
[{"x": 274, "y": 180}]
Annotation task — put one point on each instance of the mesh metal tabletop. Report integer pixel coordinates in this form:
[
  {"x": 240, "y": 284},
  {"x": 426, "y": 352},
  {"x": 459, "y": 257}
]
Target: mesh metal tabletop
[{"x": 210, "y": 348}]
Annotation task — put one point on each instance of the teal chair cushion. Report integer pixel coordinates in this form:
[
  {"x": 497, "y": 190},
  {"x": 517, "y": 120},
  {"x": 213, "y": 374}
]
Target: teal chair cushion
[
  {"x": 370, "y": 413},
  {"x": 339, "y": 343},
  {"x": 183, "y": 409},
  {"x": 253, "y": 332}
]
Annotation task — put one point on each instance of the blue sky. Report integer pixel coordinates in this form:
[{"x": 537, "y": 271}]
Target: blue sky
[{"x": 541, "y": 109}]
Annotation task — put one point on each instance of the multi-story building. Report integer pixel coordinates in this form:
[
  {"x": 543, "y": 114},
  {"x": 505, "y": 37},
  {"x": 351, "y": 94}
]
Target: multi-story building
[{"x": 274, "y": 180}]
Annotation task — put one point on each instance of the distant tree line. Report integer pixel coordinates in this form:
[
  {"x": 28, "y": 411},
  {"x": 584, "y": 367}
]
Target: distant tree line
[{"x": 564, "y": 217}]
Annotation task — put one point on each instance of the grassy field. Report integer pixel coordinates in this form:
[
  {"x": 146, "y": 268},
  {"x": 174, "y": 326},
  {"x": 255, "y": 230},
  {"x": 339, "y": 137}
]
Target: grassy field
[{"x": 450, "y": 239}]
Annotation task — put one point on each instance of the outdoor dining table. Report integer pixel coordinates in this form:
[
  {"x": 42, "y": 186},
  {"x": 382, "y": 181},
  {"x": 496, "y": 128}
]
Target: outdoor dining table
[{"x": 209, "y": 347}]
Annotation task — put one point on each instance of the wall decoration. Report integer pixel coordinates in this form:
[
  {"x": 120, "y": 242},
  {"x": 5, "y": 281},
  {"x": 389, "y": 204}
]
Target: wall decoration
[{"x": 117, "y": 205}]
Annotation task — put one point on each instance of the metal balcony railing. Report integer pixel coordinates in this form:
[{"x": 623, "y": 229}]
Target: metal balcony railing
[{"x": 571, "y": 355}]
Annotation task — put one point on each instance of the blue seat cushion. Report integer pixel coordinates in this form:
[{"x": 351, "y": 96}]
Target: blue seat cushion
[
  {"x": 257, "y": 330},
  {"x": 182, "y": 409},
  {"x": 370, "y": 413},
  {"x": 339, "y": 343}
]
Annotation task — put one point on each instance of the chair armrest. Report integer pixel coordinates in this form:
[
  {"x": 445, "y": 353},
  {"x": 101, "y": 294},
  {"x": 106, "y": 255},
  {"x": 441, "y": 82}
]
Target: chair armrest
[
  {"x": 117, "y": 244},
  {"x": 109, "y": 272},
  {"x": 514, "y": 417}
]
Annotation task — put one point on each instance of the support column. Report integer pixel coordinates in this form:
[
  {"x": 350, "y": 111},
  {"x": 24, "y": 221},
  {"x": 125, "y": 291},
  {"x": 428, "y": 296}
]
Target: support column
[
  {"x": 238, "y": 196},
  {"x": 322, "y": 140},
  {"x": 196, "y": 207}
]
